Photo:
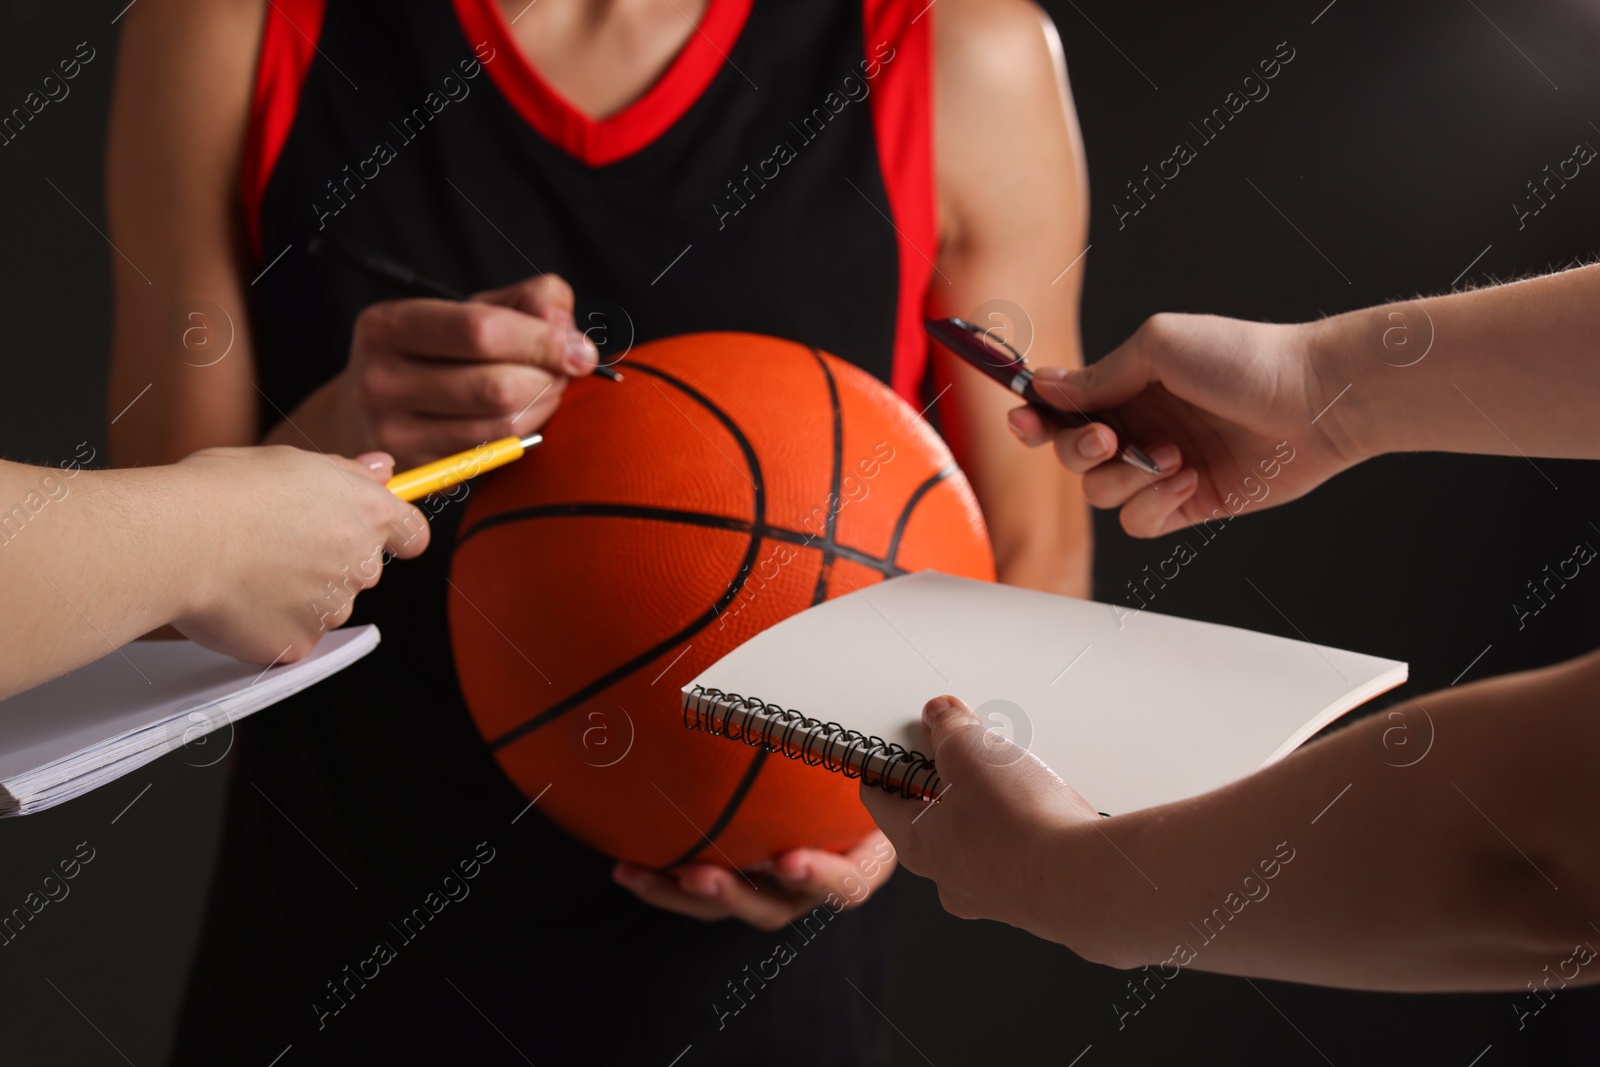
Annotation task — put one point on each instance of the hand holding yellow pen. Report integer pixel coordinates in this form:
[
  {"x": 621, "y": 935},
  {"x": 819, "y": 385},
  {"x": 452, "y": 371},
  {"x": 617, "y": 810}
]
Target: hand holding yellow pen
[{"x": 443, "y": 473}]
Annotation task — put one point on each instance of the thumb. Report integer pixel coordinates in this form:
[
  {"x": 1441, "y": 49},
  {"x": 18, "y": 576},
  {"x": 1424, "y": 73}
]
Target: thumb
[
  {"x": 1107, "y": 383},
  {"x": 964, "y": 747},
  {"x": 949, "y": 725},
  {"x": 379, "y": 466},
  {"x": 989, "y": 764}
]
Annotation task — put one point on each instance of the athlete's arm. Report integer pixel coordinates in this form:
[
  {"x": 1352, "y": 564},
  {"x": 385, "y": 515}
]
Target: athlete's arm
[
  {"x": 178, "y": 114},
  {"x": 1473, "y": 864},
  {"x": 426, "y": 378},
  {"x": 239, "y": 548},
  {"x": 1013, "y": 215}
]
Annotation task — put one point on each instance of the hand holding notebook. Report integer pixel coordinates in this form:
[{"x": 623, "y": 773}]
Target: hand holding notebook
[{"x": 1133, "y": 709}]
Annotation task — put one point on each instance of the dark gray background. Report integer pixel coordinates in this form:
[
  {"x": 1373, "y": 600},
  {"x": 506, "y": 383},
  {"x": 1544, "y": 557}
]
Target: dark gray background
[{"x": 1396, "y": 141}]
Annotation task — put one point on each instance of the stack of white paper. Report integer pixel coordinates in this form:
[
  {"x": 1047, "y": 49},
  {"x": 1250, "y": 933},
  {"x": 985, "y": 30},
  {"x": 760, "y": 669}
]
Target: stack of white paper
[{"x": 92, "y": 726}]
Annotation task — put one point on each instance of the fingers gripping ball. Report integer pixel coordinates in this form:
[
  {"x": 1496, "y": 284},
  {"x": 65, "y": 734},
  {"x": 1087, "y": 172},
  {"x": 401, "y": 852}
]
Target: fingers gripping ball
[{"x": 728, "y": 482}]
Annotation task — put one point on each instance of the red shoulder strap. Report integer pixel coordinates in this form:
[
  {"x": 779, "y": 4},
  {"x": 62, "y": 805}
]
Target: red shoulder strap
[
  {"x": 899, "y": 44},
  {"x": 288, "y": 45}
]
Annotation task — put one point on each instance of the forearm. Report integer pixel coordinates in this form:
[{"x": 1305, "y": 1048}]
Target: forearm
[
  {"x": 181, "y": 359},
  {"x": 1041, "y": 532},
  {"x": 1037, "y": 519},
  {"x": 1507, "y": 370},
  {"x": 91, "y": 562},
  {"x": 1356, "y": 863},
  {"x": 1011, "y": 252}
]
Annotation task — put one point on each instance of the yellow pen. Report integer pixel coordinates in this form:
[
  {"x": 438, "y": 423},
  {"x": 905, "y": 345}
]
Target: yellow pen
[{"x": 441, "y": 474}]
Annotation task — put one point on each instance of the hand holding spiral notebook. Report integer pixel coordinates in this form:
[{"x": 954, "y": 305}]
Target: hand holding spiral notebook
[{"x": 1131, "y": 708}]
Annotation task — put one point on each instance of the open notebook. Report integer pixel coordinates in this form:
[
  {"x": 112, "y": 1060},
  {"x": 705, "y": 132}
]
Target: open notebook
[
  {"x": 90, "y": 727},
  {"x": 1132, "y": 709}
]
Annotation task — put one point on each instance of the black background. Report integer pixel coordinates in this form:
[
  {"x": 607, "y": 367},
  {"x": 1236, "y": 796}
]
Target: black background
[{"x": 1396, "y": 141}]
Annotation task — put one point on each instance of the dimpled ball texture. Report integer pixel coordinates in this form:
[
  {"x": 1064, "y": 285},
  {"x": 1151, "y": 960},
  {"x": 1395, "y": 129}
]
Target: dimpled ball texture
[{"x": 727, "y": 482}]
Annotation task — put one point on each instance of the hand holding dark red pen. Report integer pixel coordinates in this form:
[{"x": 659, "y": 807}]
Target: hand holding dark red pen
[{"x": 1233, "y": 413}]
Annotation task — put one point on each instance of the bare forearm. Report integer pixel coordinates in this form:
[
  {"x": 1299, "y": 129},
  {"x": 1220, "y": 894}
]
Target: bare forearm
[
  {"x": 182, "y": 362},
  {"x": 1364, "y": 861},
  {"x": 1006, "y": 235},
  {"x": 1038, "y": 521},
  {"x": 92, "y": 561},
  {"x": 1042, "y": 539},
  {"x": 1506, "y": 370}
]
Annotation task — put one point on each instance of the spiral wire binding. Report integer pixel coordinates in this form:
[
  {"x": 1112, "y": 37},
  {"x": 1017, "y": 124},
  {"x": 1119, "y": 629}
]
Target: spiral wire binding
[{"x": 812, "y": 741}]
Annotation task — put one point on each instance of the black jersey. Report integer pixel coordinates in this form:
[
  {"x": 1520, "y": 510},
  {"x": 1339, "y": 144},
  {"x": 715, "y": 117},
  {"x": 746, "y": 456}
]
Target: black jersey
[{"x": 383, "y": 893}]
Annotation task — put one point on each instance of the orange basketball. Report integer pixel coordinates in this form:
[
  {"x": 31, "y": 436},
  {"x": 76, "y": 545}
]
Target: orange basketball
[{"x": 728, "y": 482}]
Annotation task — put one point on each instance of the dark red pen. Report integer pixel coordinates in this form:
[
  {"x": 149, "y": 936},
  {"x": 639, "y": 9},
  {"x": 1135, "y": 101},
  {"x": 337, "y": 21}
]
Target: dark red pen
[{"x": 983, "y": 350}]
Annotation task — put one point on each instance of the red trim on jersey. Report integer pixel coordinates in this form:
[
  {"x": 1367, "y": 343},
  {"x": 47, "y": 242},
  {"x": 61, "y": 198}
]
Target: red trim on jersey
[
  {"x": 597, "y": 142},
  {"x": 902, "y": 113},
  {"x": 288, "y": 45}
]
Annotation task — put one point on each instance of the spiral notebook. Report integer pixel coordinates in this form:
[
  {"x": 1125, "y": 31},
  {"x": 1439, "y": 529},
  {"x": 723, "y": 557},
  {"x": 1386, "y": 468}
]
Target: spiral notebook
[{"x": 1131, "y": 708}]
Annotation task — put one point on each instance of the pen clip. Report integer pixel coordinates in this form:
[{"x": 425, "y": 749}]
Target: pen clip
[
  {"x": 978, "y": 341},
  {"x": 977, "y": 345}
]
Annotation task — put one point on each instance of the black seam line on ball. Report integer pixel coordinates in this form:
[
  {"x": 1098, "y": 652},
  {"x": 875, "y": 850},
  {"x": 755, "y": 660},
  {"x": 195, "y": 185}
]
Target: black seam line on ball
[
  {"x": 729, "y": 810},
  {"x": 911, "y": 505},
  {"x": 834, "y": 503},
  {"x": 686, "y": 518},
  {"x": 579, "y": 509},
  {"x": 854, "y": 555},
  {"x": 706, "y": 618}
]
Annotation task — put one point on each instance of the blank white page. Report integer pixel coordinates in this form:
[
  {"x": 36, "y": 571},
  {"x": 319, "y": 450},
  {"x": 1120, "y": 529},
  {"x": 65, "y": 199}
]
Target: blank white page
[
  {"x": 151, "y": 682},
  {"x": 1132, "y": 709}
]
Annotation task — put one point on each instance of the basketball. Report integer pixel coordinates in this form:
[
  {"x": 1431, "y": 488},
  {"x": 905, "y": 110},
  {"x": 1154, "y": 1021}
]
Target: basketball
[{"x": 727, "y": 482}]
